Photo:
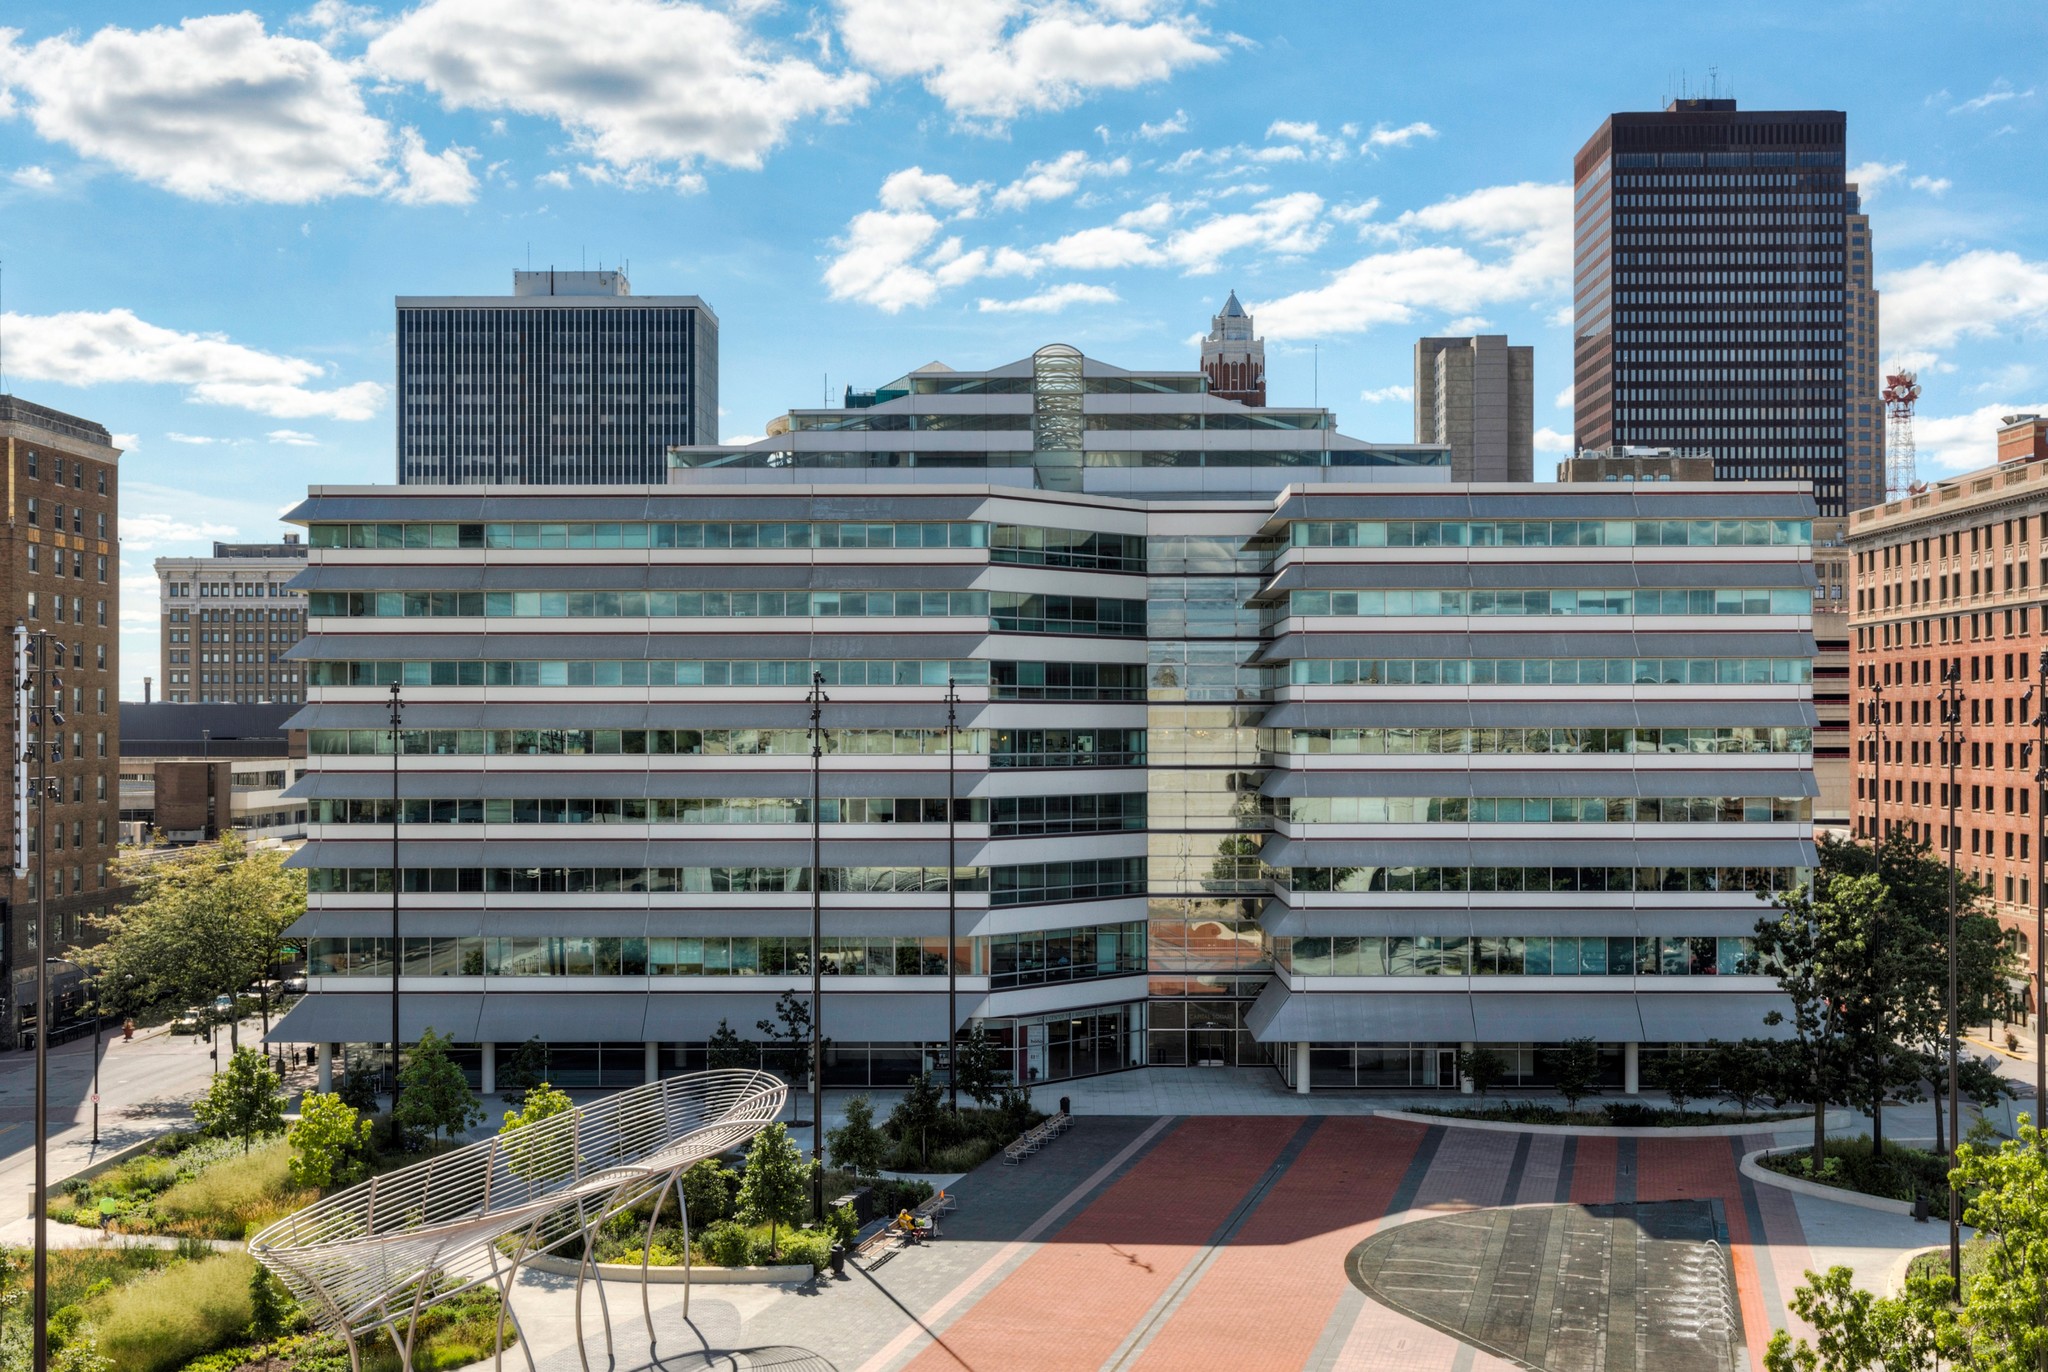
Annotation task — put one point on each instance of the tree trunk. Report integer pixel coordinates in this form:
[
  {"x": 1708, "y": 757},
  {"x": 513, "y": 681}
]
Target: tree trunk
[
  {"x": 1877, "y": 1103},
  {"x": 1940, "y": 1113},
  {"x": 1820, "y": 1113}
]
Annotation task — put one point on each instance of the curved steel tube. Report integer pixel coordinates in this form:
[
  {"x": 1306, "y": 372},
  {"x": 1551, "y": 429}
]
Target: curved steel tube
[{"x": 430, "y": 1232}]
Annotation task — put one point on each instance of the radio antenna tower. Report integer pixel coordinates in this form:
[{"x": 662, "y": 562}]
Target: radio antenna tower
[{"x": 1901, "y": 475}]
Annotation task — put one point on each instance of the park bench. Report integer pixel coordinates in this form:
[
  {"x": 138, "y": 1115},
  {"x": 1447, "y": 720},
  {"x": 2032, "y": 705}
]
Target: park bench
[{"x": 1032, "y": 1140}]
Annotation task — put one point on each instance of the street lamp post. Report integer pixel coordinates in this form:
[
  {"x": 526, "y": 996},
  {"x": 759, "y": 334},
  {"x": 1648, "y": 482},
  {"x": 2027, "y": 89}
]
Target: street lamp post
[
  {"x": 2038, "y": 747},
  {"x": 40, "y": 743},
  {"x": 952, "y": 907},
  {"x": 397, "y": 944},
  {"x": 817, "y": 702},
  {"x": 1952, "y": 741},
  {"x": 1876, "y": 762}
]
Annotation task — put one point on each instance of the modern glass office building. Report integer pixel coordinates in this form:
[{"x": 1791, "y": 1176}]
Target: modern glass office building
[{"x": 1272, "y": 746}]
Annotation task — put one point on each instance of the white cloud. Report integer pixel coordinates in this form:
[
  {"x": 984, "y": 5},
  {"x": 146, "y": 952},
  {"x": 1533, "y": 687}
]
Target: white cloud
[
  {"x": 632, "y": 81},
  {"x": 88, "y": 348},
  {"x": 337, "y": 19},
  {"x": 292, "y": 438},
  {"x": 914, "y": 188},
  {"x": 1466, "y": 324},
  {"x": 1981, "y": 294},
  {"x": 1946, "y": 444},
  {"x": 1560, "y": 318},
  {"x": 433, "y": 178},
  {"x": 1303, "y": 140},
  {"x": 1155, "y": 215},
  {"x": 1052, "y": 300},
  {"x": 144, "y": 530},
  {"x": 1057, "y": 179},
  {"x": 2001, "y": 91},
  {"x": 1868, "y": 177},
  {"x": 992, "y": 60},
  {"x": 33, "y": 178},
  {"x": 195, "y": 440},
  {"x": 1565, "y": 399},
  {"x": 216, "y": 109},
  {"x": 127, "y": 443},
  {"x": 1551, "y": 441},
  {"x": 1936, "y": 186},
  {"x": 1100, "y": 249},
  {"x": 1524, "y": 230},
  {"x": 1382, "y": 395},
  {"x": 876, "y": 260},
  {"x": 1286, "y": 225},
  {"x": 1385, "y": 137},
  {"x": 1165, "y": 128}
]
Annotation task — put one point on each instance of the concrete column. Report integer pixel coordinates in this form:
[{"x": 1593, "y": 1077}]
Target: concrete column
[
  {"x": 653, "y": 1061},
  {"x": 1631, "y": 1071},
  {"x": 325, "y": 1061},
  {"x": 490, "y": 1073},
  {"x": 1301, "y": 1068},
  {"x": 1464, "y": 1082}
]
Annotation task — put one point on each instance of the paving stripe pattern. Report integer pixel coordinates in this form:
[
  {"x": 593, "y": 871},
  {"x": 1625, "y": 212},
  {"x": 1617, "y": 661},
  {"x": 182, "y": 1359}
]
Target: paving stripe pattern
[
  {"x": 1593, "y": 1163},
  {"x": 1696, "y": 1169},
  {"x": 1072, "y": 1302},
  {"x": 1285, "y": 1256},
  {"x": 1783, "y": 1258}
]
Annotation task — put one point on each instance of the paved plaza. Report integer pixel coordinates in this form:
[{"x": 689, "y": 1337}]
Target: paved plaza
[{"x": 1231, "y": 1241}]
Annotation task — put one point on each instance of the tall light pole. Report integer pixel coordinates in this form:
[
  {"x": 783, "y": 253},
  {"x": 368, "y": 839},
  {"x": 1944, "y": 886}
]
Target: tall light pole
[
  {"x": 1876, "y": 763},
  {"x": 2038, "y": 748},
  {"x": 35, "y": 704},
  {"x": 397, "y": 881},
  {"x": 817, "y": 701},
  {"x": 1952, "y": 740},
  {"x": 952, "y": 907}
]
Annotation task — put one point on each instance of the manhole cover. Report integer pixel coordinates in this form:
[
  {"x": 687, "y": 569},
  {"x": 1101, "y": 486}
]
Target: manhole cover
[{"x": 1568, "y": 1288}]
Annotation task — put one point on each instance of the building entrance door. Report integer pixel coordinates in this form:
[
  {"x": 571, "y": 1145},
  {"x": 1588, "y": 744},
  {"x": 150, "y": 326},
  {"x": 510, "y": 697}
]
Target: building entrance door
[
  {"x": 1446, "y": 1069},
  {"x": 1210, "y": 1047}
]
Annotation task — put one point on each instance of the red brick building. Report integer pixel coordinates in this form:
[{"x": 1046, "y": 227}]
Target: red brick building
[{"x": 1955, "y": 575}]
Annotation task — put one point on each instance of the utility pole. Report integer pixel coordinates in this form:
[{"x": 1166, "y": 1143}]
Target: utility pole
[
  {"x": 397, "y": 944},
  {"x": 1952, "y": 740},
  {"x": 1876, "y": 763},
  {"x": 952, "y": 906},
  {"x": 817, "y": 701},
  {"x": 2037, "y": 748}
]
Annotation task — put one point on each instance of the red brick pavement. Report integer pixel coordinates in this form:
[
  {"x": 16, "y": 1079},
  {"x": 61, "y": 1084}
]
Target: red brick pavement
[
  {"x": 1072, "y": 1302},
  {"x": 1593, "y": 1166},
  {"x": 1287, "y": 1262}
]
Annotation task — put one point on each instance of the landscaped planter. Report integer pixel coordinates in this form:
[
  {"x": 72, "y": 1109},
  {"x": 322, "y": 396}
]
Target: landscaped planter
[
  {"x": 698, "y": 1272},
  {"x": 1764, "y": 1176},
  {"x": 1836, "y": 1119}
]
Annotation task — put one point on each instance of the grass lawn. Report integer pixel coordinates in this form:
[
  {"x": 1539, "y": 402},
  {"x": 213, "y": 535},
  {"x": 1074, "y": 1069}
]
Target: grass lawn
[{"x": 207, "y": 1190}]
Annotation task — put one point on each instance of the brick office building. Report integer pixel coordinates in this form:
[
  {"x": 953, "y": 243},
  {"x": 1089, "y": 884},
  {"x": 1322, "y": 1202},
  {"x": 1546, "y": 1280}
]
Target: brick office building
[
  {"x": 58, "y": 571},
  {"x": 1953, "y": 575}
]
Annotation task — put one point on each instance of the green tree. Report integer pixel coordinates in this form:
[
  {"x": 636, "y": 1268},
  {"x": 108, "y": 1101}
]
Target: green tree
[
  {"x": 547, "y": 1153},
  {"x": 772, "y": 1188},
  {"x": 527, "y": 1068},
  {"x": 857, "y": 1145},
  {"x": 203, "y": 923},
  {"x": 1483, "y": 1067},
  {"x": 359, "y": 1087},
  {"x": 789, "y": 1037},
  {"x": 727, "y": 1050},
  {"x": 1685, "y": 1076},
  {"x": 244, "y": 1102},
  {"x": 330, "y": 1143},
  {"x": 981, "y": 1068},
  {"x": 1746, "y": 1073},
  {"x": 707, "y": 1193},
  {"x": 434, "y": 1096},
  {"x": 1575, "y": 1069},
  {"x": 2000, "y": 1324},
  {"x": 921, "y": 1110},
  {"x": 270, "y": 1305}
]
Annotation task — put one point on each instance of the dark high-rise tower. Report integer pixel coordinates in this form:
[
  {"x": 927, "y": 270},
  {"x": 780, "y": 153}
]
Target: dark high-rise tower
[
  {"x": 571, "y": 379},
  {"x": 1710, "y": 273}
]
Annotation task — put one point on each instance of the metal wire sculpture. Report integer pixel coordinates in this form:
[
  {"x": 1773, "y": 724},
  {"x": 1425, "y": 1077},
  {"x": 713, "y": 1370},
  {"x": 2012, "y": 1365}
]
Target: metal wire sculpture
[{"x": 378, "y": 1255}]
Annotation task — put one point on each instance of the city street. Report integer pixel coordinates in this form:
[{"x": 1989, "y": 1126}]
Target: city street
[{"x": 146, "y": 1087}]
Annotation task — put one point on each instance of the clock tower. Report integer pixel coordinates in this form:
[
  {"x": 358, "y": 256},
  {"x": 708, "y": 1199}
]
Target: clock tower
[{"x": 1232, "y": 359}]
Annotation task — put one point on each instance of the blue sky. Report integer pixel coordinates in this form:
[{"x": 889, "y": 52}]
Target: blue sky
[{"x": 204, "y": 213}]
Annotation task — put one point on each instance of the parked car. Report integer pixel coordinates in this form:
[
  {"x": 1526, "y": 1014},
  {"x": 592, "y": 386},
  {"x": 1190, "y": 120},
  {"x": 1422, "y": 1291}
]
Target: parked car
[
  {"x": 191, "y": 1021},
  {"x": 295, "y": 986},
  {"x": 224, "y": 1005}
]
